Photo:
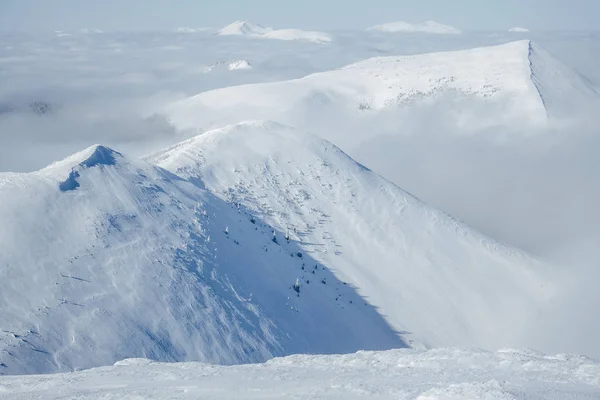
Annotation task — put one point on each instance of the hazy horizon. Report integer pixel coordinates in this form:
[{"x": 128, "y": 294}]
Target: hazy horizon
[{"x": 469, "y": 15}]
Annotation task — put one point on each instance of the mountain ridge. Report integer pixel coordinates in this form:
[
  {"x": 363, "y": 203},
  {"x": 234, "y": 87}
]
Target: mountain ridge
[
  {"x": 237, "y": 246},
  {"x": 509, "y": 80}
]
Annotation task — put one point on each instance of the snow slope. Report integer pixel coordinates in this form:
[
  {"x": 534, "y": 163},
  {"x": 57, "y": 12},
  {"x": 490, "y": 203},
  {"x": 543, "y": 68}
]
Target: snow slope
[
  {"x": 104, "y": 258},
  {"x": 425, "y": 27},
  {"x": 430, "y": 275},
  {"x": 246, "y": 28},
  {"x": 514, "y": 83},
  {"x": 441, "y": 374}
]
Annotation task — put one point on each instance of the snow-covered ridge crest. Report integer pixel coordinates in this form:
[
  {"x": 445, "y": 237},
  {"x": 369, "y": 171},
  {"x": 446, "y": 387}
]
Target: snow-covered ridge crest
[
  {"x": 246, "y": 28},
  {"x": 513, "y": 77},
  {"x": 94, "y": 155},
  {"x": 252, "y": 241},
  {"x": 425, "y": 27},
  {"x": 290, "y": 178},
  {"x": 396, "y": 374},
  {"x": 141, "y": 262}
]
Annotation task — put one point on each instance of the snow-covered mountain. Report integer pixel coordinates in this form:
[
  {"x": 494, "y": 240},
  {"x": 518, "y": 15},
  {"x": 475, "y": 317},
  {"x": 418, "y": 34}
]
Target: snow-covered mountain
[
  {"x": 242, "y": 244},
  {"x": 518, "y": 29},
  {"x": 424, "y": 27},
  {"x": 514, "y": 83},
  {"x": 246, "y": 28},
  {"x": 440, "y": 374}
]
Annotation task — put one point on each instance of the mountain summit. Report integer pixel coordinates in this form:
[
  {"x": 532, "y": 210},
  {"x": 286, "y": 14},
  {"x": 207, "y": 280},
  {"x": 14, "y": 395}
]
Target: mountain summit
[
  {"x": 517, "y": 83},
  {"x": 245, "y": 243}
]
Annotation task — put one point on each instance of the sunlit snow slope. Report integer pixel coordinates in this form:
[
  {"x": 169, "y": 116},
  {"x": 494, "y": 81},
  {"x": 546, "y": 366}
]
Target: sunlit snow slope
[
  {"x": 242, "y": 244},
  {"x": 103, "y": 257},
  {"x": 509, "y": 84},
  {"x": 428, "y": 274}
]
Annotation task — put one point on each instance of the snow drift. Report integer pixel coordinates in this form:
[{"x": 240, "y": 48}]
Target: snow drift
[
  {"x": 246, "y": 28},
  {"x": 242, "y": 244},
  {"x": 425, "y": 27}
]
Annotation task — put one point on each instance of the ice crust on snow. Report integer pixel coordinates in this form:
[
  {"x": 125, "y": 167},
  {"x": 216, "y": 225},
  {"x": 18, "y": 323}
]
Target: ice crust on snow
[{"x": 519, "y": 82}]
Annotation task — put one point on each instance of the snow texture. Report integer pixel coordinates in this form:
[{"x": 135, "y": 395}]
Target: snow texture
[
  {"x": 440, "y": 374},
  {"x": 194, "y": 254}
]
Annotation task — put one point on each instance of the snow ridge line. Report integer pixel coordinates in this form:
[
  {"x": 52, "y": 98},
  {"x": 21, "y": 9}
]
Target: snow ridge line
[{"x": 534, "y": 78}]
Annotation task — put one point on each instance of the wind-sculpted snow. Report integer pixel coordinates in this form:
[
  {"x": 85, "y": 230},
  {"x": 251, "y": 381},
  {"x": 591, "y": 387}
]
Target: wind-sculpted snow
[{"x": 440, "y": 374}]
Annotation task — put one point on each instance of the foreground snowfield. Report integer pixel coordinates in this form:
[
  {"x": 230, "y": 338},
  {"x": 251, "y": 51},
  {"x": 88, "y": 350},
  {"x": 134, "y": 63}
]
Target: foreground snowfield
[{"x": 440, "y": 374}]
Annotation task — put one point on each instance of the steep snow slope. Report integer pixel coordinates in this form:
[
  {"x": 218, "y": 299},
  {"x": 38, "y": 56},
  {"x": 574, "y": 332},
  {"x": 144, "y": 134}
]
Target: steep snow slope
[
  {"x": 429, "y": 275},
  {"x": 261, "y": 241},
  {"x": 441, "y": 374},
  {"x": 515, "y": 83},
  {"x": 425, "y": 27},
  {"x": 562, "y": 90},
  {"x": 245, "y": 28},
  {"x": 103, "y": 258}
]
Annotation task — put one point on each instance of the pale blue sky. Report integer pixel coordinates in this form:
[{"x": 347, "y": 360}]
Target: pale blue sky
[{"x": 23, "y": 15}]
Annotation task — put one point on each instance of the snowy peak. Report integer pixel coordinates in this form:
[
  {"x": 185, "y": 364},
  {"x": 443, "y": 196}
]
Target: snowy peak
[
  {"x": 100, "y": 155},
  {"x": 262, "y": 141},
  {"x": 373, "y": 235},
  {"x": 516, "y": 81},
  {"x": 431, "y": 27},
  {"x": 92, "y": 156},
  {"x": 142, "y": 262},
  {"x": 246, "y": 28},
  {"x": 244, "y": 243}
]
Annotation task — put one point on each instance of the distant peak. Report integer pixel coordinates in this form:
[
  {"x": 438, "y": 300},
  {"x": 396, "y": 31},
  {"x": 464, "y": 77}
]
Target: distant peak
[
  {"x": 100, "y": 155},
  {"x": 91, "y": 157},
  {"x": 518, "y": 29},
  {"x": 243, "y": 27}
]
